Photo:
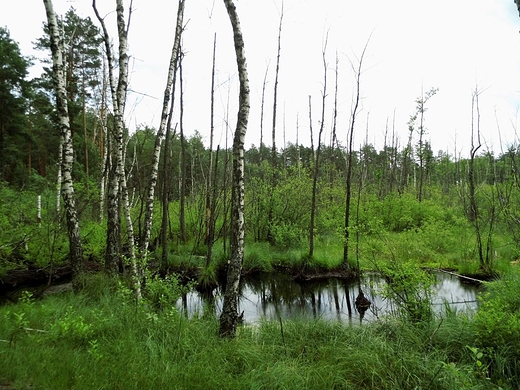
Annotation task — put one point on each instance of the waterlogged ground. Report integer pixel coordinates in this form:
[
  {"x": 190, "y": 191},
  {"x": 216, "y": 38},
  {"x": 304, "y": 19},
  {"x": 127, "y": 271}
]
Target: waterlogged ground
[{"x": 278, "y": 295}]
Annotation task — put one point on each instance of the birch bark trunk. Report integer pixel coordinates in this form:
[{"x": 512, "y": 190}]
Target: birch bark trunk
[
  {"x": 229, "y": 316},
  {"x": 67, "y": 157},
  {"x": 119, "y": 100},
  {"x": 170, "y": 83}
]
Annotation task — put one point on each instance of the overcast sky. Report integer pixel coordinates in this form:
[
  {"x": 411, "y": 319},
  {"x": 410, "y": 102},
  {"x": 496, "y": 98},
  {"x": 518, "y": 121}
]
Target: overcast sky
[{"x": 453, "y": 45}]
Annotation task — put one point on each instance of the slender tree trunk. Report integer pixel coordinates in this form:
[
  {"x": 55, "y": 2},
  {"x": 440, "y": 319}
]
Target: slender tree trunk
[
  {"x": 275, "y": 91},
  {"x": 225, "y": 227},
  {"x": 317, "y": 153},
  {"x": 334, "y": 138},
  {"x": 165, "y": 203},
  {"x": 395, "y": 146},
  {"x": 474, "y": 212},
  {"x": 103, "y": 145},
  {"x": 183, "y": 162},
  {"x": 421, "y": 147},
  {"x": 67, "y": 187},
  {"x": 166, "y": 186},
  {"x": 260, "y": 148},
  {"x": 119, "y": 92},
  {"x": 59, "y": 178},
  {"x": 350, "y": 160},
  {"x": 298, "y": 144},
  {"x": 421, "y": 102},
  {"x": 311, "y": 223},
  {"x": 113, "y": 242},
  {"x": 229, "y": 316},
  {"x": 84, "y": 117},
  {"x": 168, "y": 91},
  {"x": 274, "y": 157},
  {"x": 335, "y": 114},
  {"x": 209, "y": 182}
]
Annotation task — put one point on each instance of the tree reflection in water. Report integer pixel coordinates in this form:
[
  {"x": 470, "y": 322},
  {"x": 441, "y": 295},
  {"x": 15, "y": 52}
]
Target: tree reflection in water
[{"x": 277, "y": 296}]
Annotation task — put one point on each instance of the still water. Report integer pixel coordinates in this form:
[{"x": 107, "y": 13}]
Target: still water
[{"x": 278, "y": 295}]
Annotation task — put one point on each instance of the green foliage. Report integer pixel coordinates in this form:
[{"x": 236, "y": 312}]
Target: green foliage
[
  {"x": 71, "y": 327},
  {"x": 288, "y": 203},
  {"x": 164, "y": 292},
  {"x": 410, "y": 288},
  {"x": 15, "y": 135},
  {"x": 94, "y": 239},
  {"x": 23, "y": 238},
  {"x": 498, "y": 325},
  {"x": 286, "y": 235},
  {"x": 400, "y": 213}
]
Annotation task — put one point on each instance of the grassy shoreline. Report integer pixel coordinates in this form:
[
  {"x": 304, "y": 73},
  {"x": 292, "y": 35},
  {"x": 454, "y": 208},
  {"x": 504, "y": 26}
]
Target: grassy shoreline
[{"x": 100, "y": 339}]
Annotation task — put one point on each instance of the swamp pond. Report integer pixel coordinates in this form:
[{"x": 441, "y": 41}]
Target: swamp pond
[{"x": 275, "y": 295}]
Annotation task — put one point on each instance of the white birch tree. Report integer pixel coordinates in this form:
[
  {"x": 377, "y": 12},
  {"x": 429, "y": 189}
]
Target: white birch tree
[
  {"x": 229, "y": 316},
  {"x": 67, "y": 156},
  {"x": 119, "y": 92},
  {"x": 170, "y": 84}
]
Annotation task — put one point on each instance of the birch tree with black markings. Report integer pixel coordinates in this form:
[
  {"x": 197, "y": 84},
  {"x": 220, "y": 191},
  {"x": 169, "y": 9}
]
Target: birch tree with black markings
[
  {"x": 119, "y": 92},
  {"x": 229, "y": 317}
]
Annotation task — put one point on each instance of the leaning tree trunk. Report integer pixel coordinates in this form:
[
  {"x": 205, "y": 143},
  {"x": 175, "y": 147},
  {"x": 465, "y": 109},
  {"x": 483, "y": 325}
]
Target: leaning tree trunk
[
  {"x": 229, "y": 316},
  {"x": 170, "y": 83},
  {"x": 67, "y": 158}
]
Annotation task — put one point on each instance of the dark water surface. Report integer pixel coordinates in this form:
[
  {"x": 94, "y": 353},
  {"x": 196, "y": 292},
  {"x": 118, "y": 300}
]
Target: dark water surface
[{"x": 277, "y": 294}]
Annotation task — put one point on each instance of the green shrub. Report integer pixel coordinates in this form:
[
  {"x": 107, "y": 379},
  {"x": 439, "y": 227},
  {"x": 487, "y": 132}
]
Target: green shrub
[
  {"x": 402, "y": 212},
  {"x": 409, "y": 287},
  {"x": 497, "y": 325},
  {"x": 286, "y": 235},
  {"x": 163, "y": 292}
]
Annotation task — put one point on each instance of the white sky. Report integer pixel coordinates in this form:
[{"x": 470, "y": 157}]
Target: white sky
[{"x": 453, "y": 45}]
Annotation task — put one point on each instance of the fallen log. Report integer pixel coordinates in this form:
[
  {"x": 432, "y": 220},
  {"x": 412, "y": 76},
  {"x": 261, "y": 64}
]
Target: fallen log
[{"x": 32, "y": 276}]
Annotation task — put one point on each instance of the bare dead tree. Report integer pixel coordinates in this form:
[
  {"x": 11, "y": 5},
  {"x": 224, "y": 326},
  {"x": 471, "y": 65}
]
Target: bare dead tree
[
  {"x": 275, "y": 91},
  {"x": 318, "y": 148},
  {"x": 350, "y": 159},
  {"x": 260, "y": 148},
  {"x": 165, "y": 203},
  {"x": 210, "y": 209},
  {"x": 474, "y": 212},
  {"x": 182, "y": 161},
  {"x": 274, "y": 159},
  {"x": 334, "y": 140},
  {"x": 421, "y": 130},
  {"x": 165, "y": 194}
]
